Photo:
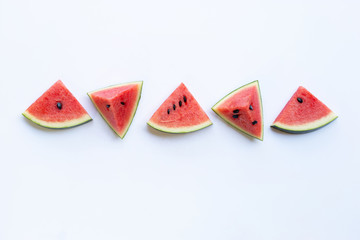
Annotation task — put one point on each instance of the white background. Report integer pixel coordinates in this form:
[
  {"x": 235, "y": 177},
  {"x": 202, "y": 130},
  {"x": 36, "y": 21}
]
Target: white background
[{"x": 87, "y": 183}]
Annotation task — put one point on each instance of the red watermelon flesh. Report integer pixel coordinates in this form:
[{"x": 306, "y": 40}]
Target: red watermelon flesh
[
  {"x": 242, "y": 108},
  {"x": 117, "y": 104},
  {"x": 179, "y": 113},
  {"x": 303, "y": 113},
  {"x": 57, "y": 108}
]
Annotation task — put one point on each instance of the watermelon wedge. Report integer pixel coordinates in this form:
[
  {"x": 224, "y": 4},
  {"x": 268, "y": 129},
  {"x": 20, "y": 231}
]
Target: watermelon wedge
[
  {"x": 179, "y": 113},
  {"x": 242, "y": 109},
  {"x": 303, "y": 113},
  {"x": 118, "y": 104},
  {"x": 57, "y": 108}
]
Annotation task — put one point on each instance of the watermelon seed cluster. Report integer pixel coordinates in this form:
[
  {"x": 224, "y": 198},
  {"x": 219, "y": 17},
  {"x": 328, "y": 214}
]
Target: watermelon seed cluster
[
  {"x": 180, "y": 104},
  {"x": 236, "y": 115}
]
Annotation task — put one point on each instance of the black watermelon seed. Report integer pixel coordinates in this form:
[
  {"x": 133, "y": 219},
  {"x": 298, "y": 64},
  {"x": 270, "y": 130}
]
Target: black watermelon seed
[
  {"x": 184, "y": 99},
  {"x": 122, "y": 103},
  {"x": 235, "y": 116},
  {"x": 180, "y": 103},
  {"x": 59, "y": 105},
  {"x": 299, "y": 99},
  {"x": 108, "y": 105},
  {"x": 168, "y": 111},
  {"x": 251, "y": 107},
  {"x": 236, "y": 111},
  {"x": 254, "y": 122},
  {"x": 174, "y": 106}
]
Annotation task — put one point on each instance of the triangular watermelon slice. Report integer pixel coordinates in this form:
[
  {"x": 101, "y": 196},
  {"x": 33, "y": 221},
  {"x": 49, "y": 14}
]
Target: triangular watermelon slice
[
  {"x": 179, "y": 113},
  {"x": 117, "y": 104},
  {"x": 303, "y": 113},
  {"x": 242, "y": 108},
  {"x": 57, "y": 108}
]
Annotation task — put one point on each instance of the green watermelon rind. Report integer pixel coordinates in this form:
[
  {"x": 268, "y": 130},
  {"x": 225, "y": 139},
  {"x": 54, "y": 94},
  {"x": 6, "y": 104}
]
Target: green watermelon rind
[
  {"x": 58, "y": 125},
  {"x": 256, "y": 83},
  {"x": 305, "y": 128},
  {"x": 180, "y": 129},
  {"x": 135, "y": 107}
]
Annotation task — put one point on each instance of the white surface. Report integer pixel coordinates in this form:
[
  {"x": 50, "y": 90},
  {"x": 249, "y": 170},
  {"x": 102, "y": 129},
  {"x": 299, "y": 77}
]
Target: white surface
[{"x": 86, "y": 183}]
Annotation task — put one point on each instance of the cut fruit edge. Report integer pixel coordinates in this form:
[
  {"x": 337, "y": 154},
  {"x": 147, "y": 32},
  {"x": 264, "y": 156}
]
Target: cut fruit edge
[
  {"x": 308, "y": 127},
  {"x": 180, "y": 129},
  {"x": 140, "y": 83},
  {"x": 253, "y": 83},
  {"x": 58, "y": 125}
]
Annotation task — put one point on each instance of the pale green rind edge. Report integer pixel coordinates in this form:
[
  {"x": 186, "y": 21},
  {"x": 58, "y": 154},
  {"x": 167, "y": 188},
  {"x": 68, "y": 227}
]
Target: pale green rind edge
[
  {"x": 256, "y": 82},
  {"x": 58, "y": 125},
  {"x": 135, "y": 108},
  {"x": 304, "y": 128},
  {"x": 180, "y": 130}
]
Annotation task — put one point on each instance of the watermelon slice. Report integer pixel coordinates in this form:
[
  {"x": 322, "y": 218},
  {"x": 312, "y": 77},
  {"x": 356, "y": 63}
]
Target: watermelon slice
[
  {"x": 57, "y": 108},
  {"x": 303, "y": 113},
  {"x": 242, "y": 109},
  {"x": 180, "y": 113},
  {"x": 117, "y": 104}
]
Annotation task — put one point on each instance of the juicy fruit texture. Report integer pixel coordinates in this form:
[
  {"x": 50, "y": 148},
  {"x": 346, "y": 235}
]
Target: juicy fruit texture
[
  {"x": 117, "y": 105},
  {"x": 57, "y": 108},
  {"x": 303, "y": 113},
  {"x": 179, "y": 113},
  {"x": 242, "y": 108}
]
